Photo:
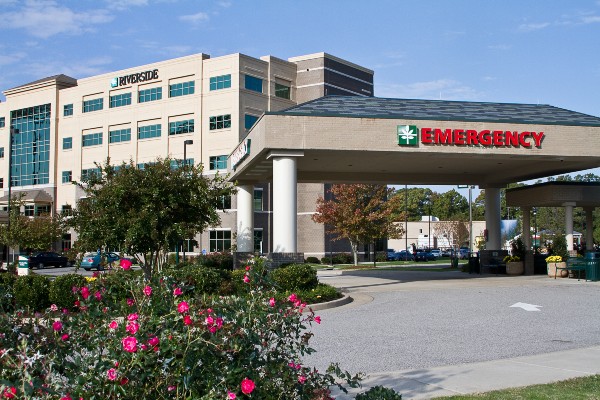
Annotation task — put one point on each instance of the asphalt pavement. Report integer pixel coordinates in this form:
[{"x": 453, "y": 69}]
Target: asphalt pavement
[{"x": 430, "y": 334}]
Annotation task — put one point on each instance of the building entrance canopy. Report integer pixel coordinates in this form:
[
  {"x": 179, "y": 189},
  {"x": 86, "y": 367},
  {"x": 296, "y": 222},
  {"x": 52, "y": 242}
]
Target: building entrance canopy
[{"x": 395, "y": 141}]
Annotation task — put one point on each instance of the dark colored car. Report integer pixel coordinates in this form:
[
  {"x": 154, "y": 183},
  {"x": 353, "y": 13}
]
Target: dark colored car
[
  {"x": 424, "y": 256},
  {"x": 48, "y": 259},
  {"x": 404, "y": 255}
]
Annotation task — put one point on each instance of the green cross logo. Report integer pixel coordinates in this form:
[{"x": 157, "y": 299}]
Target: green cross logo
[{"x": 408, "y": 135}]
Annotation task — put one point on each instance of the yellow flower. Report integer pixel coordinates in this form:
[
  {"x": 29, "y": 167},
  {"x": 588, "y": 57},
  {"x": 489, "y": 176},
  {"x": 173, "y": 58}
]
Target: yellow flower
[{"x": 553, "y": 259}]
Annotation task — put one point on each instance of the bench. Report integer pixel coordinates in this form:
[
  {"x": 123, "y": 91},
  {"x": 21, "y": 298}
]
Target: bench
[
  {"x": 573, "y": 264},
  {"x": 495, "y": 265}
]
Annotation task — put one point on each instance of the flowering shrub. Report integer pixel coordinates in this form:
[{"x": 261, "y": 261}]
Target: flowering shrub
[
  {"x": 163, "y": 343},
  {"x": 508, "y": 259},
  {"x": 554, "y": 259},
  {"x": 61, "y": 290}
]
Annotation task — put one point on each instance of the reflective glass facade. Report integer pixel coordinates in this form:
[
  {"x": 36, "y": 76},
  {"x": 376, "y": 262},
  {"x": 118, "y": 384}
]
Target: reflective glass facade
[
  {"x": 176, "y": 128},
  {"x": 30, "y": 146},
  {"x": 181, "y": 89}
]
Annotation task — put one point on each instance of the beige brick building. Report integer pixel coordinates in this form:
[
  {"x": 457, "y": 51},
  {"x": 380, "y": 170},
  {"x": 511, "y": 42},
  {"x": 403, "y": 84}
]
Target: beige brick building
[{"x": 196, "y": 105}]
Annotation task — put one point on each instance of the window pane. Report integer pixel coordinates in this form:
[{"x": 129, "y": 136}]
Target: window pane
[
  {"x": 282, "y": 91},
  {"x": 253, "y": 83},
  {"x": 181, "y": 89},
  {"x": 220, "y": 82},
  {"x": 249, "y": 120}
]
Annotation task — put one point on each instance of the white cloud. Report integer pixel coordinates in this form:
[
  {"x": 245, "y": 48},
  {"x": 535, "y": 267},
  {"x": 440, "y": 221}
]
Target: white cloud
[
  {"x": 224, "y": 3},
  {"x": 444, "y": 89},
  {"x": 6, "y": 59},
  {"x": 46, "y": 18},
  {"x": 533, "y": 26},
  {"x": 195, "y": 19},
  {"x": 500, "y": 47},
  {"x": 591, "y": 19},
  {"x": 77, "y": 69},
  {"x": 125, "y": 4}
]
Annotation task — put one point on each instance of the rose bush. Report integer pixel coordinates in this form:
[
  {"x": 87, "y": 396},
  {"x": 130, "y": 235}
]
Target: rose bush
[{"x": 165, "y": 343}]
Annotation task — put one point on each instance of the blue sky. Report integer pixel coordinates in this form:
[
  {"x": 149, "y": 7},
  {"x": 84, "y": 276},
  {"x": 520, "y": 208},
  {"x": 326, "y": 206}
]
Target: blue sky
[{"x": 516, "y": 51}]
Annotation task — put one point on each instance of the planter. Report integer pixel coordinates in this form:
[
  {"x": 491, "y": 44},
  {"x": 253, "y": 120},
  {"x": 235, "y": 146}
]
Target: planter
[
  {"x": 561, "y": 273},
  {"x": 514, "y": 268}
]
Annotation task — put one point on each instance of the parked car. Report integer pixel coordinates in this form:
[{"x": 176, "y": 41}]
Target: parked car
[
  {"x": 95, "y": 260},
  {"x": 463, "y": 253},
  {"x": 45, "y": 259},
  {"x": 446, "y": 253},
  {"x": 404, "y": 255},
  {"x": 391, "y": 255},
  {"x": 424, "y": 256},
  {"x": 436, "y": 252}
]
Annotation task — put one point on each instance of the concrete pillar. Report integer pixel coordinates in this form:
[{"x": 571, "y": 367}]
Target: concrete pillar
[
  {"x": 569, "y": 224},
  {"x": 492, "y": 218},
  {"x": 589, "y": 228},
  {"x": 284, "y": 204},
  {"x": 245, "y": 219},
  {"x": 526, "y": 234}
]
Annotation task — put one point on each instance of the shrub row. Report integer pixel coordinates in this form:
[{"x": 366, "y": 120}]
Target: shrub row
[
  {"x": 37, "y": 292},
  {"x": 339, "y": 258}
]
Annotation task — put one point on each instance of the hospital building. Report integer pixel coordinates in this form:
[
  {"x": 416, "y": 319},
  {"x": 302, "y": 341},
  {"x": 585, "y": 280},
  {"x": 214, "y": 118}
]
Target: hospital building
[{"x": 53, "y": 130}]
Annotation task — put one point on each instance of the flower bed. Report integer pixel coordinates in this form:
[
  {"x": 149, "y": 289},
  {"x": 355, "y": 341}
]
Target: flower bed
[{"x": 129, "y": 339}]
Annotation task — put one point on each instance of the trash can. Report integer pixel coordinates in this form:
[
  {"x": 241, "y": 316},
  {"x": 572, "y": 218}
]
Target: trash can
[
  {"x": 23, "y": 266},
  {"x": 474, "y": 262},
  {"x": 592, "y": 270}
]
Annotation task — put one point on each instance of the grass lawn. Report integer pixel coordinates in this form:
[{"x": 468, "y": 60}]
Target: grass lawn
[{"x": 587, "y": 388}]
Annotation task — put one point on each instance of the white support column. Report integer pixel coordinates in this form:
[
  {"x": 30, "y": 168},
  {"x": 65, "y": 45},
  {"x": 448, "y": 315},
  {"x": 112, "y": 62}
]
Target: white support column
[
  {"x": 589, "y": 228},
  {"x": 284, "y": 204},
  {"x": 526, "y": 233},
  {"x": 492, "y": 218},
  {"x": 245, "y": 219},
  {"x": 569, "y": 224}
]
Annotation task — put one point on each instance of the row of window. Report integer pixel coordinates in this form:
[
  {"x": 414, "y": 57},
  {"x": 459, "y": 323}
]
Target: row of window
[{"x": 175, "y": 90}]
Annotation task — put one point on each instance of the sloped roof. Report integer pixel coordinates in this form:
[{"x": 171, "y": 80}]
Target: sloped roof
[
  {"x": 440, "y": 110},
  {"x": 58, "y": 78},
  {"x": 31, "y": 196}
]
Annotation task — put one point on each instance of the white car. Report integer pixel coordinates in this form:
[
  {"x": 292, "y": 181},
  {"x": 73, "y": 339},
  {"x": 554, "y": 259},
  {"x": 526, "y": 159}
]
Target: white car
[{"x": 436, "y": 252}]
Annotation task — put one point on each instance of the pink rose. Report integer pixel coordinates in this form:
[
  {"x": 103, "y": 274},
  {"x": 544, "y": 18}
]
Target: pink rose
[
  {"x": 85, "y": 292},
  {"x": 132, "y": 317},
  {"x": 318, "y": 319},
  {"x": 129, "y": 344},
  {"x": 98, "y": 296},
  {"x": 153, "y": 341},
  {"x": 130, "y": 302},
  {"x": 148, "y": 291},
  {"x": 212, "y": 329},
  {"x": 246, "y": 279},
  {"x": 132, "y": 327},
  {"x": 187, "y": 320},
  {"x": 111, "y": 374},
  {"x": 219, "y": 322},
  {"x": 125, "y": 264},
  {"x": 293, "y": 298},
  {"x": 183, "y": 307},
  {"x": 247, "y": 386},
  {"x": 64, "y": 337},
  {"x": 301, "y": 379},
  {"x": 57, "y": 326},
  {"x": 272, "y": 302},
  {"x": 177, "y": 292},
  {"x": 171, "y": 388},
  {"x": 247, "y": 268},
  {"x": 113, "y": 325},
  {"x": 231, "y": 396},
  {"x": 53, "y": 307},
  {"x": 209, "y": 320}
]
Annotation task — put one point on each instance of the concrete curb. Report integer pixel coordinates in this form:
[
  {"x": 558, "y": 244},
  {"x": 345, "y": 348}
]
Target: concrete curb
[{"x": 332, "y": 304}]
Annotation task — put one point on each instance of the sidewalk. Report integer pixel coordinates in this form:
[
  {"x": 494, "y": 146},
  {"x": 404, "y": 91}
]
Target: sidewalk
[{"x": 486, "y": 376}]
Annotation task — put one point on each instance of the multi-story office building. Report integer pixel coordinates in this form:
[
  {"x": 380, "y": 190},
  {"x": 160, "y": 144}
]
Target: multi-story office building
[{"x": 55, "y": 129}]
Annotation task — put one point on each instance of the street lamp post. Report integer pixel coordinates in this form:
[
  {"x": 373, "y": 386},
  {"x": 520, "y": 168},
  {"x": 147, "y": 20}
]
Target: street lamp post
[
  {"x": 534, "y": 229},
  {"x": 406, "y": 222},
  {"x": 185, "y": 144},
  {"x": 10, "y": 142}
]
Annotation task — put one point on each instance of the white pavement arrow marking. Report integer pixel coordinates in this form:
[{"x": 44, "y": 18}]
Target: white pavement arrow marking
[{"x": 526, "y": 307}]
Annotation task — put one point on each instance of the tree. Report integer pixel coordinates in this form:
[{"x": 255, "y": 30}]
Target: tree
[
  {"x": 359, "y": 213},
  {"x": 450, "y": 205},
  {"x": 33, "y": 233},
  {"x": 146, "y": 212}
]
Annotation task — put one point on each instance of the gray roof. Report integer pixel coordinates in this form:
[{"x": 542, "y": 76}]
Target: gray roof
[
  {"x": 58, "y": 78},
  {"x": 441, "y": 110}
]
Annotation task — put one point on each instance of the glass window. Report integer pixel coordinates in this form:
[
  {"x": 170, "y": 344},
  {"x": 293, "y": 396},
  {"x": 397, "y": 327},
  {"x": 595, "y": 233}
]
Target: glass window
[
  {"x": 67, "y": 176},
  {"x": 150, "y": 131},
  {"x": 218, "y": 162},
  {"x": 67, "y": 110},
  {"x": 282, "y": 91},
  {"x": 178, "y": 127},
  {"x": 225, "y": 203},
  {"x": 181, "y": 89},
  {"x": 66, "y": 239},
  {"x": 177, "y": 163},
  {"x": 66, "y": 209},
  {"x": 93, "y": 105},
  {"x": 29, "y": 211},
  {"x": 67, "y": 143},
  {"x": 120, "y": 100},
  {"x": 253, "y": 83},
  {"x": 249, "y": 120},
  {"x": 220, "y": 82},
  {"x": 1, "y": 183},
  {"x": 91, "y": 139},
  {"x": 42, "y": 210},
  {"x": 2, "y": 122},
  {"x": 119, "y": 135},
  {"x": 220, "y": 241},
  {"x": 30, "y": 147},
  {"x": 1, "y": 152},
  {"x": 258, "y": 241},
  {"x": 151, "y": 94},
  {"x": 258, "y": 200},
  {"x": 220, "y": 122},
  {"x": 89, "y": 172}
]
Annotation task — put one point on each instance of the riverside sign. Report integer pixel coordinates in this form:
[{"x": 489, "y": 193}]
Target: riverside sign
[{"x": 408, "y": 135}]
